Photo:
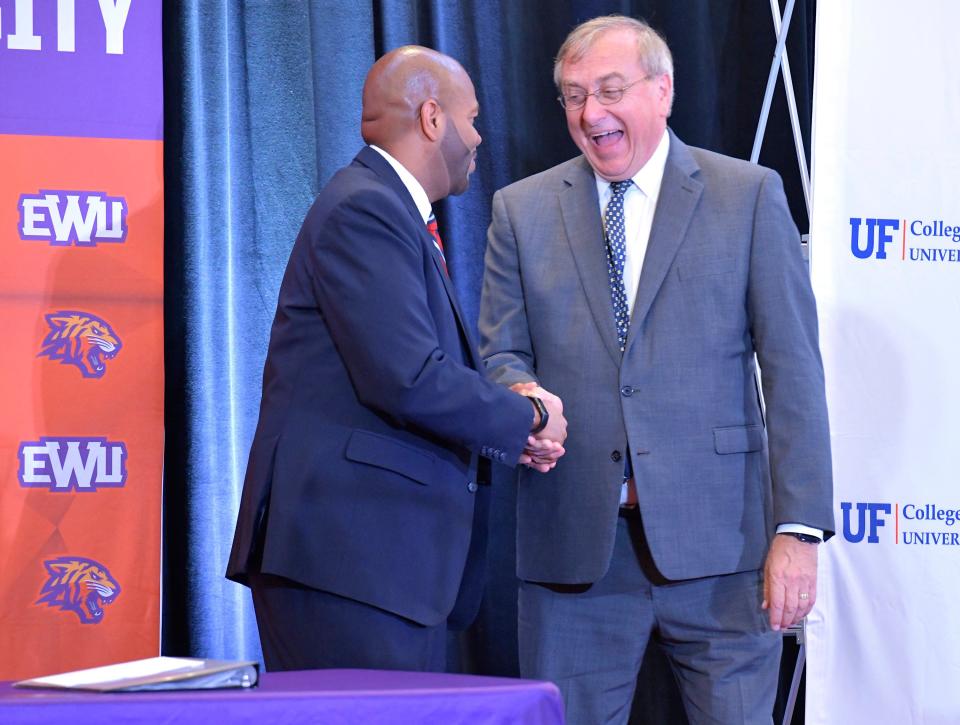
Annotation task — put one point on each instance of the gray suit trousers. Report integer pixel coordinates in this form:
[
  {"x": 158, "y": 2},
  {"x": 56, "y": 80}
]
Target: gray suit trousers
[{"x": 723, "y": 653}]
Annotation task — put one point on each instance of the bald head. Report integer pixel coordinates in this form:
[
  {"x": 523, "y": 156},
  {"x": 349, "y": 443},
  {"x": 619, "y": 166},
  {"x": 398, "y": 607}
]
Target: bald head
[
  {"x": 420, "y": 106},
  {"x": 398, "y": 85}
]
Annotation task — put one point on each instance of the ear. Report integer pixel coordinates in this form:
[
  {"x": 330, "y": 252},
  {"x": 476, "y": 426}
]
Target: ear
[
  {"x": 664, "y": 93},
  {"x": 432, "y": 119}
]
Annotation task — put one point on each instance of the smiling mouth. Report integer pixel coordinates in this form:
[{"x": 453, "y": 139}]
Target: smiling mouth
[{"x": 606, "y": 138}]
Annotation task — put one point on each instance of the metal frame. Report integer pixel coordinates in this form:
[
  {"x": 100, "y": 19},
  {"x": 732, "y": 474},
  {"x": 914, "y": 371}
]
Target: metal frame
[
  {"x": 798, "y": 631},
  {"x": 781, "y": 63}
]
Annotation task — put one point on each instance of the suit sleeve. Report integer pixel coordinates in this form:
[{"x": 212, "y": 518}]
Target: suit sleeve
[
  {"x": 505, "y": 343},
  {"x": 368, "y": 276},
  {"x": 784, "y": 327}
]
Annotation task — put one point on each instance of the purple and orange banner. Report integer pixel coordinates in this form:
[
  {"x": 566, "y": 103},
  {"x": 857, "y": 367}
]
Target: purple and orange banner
[{"x": 81, "y": 297}]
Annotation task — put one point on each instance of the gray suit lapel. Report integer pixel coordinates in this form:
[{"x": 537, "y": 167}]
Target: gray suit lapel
[
  {"x": 679, "y": 195},
  {"x": 580, "y": 208}
]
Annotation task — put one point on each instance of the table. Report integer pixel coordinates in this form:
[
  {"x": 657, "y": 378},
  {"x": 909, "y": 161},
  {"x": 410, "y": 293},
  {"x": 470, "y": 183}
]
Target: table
[{"x": 309, "y": 696}]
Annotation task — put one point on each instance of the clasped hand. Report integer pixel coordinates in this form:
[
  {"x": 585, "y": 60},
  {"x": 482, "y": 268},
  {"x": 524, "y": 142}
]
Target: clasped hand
[{"x": 544, "y": 449}]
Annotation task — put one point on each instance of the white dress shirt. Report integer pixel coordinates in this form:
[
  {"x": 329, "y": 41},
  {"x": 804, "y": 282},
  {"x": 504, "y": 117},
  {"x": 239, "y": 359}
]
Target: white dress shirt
[
  {"x": 409, "y": 180},
  {"x": 639, "y": 203}
]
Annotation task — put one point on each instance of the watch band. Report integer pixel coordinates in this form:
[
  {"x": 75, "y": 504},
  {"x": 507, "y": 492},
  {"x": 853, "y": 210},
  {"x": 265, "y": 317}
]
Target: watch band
[
  {"x": 542, "y": 410},
  {"x": 805, "y": 538}
]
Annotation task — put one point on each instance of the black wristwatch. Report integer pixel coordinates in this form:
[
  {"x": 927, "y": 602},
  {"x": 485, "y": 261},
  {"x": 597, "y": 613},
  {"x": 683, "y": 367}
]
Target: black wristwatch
[
  {"x": 805, "y": 538},
  {"x": 542, "y": 410}
]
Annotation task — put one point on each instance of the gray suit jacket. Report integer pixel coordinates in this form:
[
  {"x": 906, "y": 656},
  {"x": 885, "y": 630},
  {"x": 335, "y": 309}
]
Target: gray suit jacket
[{"x": 723, "y": 284}]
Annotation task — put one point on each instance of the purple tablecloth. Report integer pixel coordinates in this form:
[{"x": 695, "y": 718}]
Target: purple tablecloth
[{"x": 316, "y": 696}]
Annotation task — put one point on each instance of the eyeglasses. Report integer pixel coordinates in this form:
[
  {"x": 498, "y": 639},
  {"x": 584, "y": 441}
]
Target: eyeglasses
[{"x": 606, "y": 96}]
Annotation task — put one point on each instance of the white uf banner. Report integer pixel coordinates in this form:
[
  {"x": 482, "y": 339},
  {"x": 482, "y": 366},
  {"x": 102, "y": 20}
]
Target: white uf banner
[{"x": 884, "y": 638}]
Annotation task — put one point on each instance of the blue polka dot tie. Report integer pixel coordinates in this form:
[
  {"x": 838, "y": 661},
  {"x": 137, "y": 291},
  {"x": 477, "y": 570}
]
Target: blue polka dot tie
[{"x": 616, "y": 255}]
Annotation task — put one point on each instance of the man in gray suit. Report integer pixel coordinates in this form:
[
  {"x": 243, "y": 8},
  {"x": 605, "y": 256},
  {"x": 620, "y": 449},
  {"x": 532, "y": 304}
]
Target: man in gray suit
[{"x": 642, "y": 282}]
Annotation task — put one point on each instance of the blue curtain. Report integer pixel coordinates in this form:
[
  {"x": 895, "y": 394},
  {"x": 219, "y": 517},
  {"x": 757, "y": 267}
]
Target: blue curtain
[{"x": 262, "y": 107}]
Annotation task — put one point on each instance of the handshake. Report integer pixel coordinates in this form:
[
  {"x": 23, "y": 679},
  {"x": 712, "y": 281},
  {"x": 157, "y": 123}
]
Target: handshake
[{"x": 545, "y": 447}]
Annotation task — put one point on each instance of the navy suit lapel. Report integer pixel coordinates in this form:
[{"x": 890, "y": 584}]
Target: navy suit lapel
[
  {"x": 580, "y": 208},
  {"x": 679, "y": 195},
  {"x": 438, "y": 262},
  {"x": 374, "y": 161}
]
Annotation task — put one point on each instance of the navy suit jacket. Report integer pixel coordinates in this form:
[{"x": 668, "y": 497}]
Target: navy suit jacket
[{"x": 362, "y": 473}]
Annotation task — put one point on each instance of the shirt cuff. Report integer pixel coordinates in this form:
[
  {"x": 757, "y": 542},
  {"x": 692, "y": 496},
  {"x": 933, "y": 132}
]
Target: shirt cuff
[{"x": 800, "y": 529}]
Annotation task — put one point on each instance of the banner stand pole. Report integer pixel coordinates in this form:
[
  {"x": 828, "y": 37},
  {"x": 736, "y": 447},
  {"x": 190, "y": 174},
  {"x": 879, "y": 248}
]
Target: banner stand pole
[{"x": 781, "y": 62}]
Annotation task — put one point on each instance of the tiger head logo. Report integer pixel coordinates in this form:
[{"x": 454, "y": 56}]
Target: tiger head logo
[
  {"x": 81, "y": 339},
  {"x": 78, "y": 585}
]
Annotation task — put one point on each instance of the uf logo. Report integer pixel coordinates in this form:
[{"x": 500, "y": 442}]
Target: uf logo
[
  {"x": 878, "y": 237},
  {"x": 875, "y": 521}
]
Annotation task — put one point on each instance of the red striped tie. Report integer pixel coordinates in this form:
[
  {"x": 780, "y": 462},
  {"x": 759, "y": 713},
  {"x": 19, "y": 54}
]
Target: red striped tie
[{"x": 437, "y": 242}]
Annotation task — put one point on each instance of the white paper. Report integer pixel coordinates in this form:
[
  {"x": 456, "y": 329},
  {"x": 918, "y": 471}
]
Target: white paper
[{"x": 122, "y": 671}]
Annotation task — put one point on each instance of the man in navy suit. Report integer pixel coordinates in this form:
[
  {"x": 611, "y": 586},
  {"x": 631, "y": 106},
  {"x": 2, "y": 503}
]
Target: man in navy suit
[
  {"x": 642, "y": 282},
  {"x": 361, "y": 529}
]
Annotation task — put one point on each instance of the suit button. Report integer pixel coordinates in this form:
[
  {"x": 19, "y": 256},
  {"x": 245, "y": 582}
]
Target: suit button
[
  {"x": 616, "y": 456},
  {"x": 472, "y": 487},
  {"x": 626, "y": 391}
]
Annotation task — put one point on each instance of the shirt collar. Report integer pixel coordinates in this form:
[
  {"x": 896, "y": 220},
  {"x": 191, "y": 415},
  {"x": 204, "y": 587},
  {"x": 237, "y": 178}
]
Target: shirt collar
[
  {"x": 650, "y": 176},
  {"x": 420, "y": 197}
]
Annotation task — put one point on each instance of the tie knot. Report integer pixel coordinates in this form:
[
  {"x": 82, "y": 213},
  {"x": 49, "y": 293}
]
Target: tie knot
[{"x": 619, "y": 188}]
